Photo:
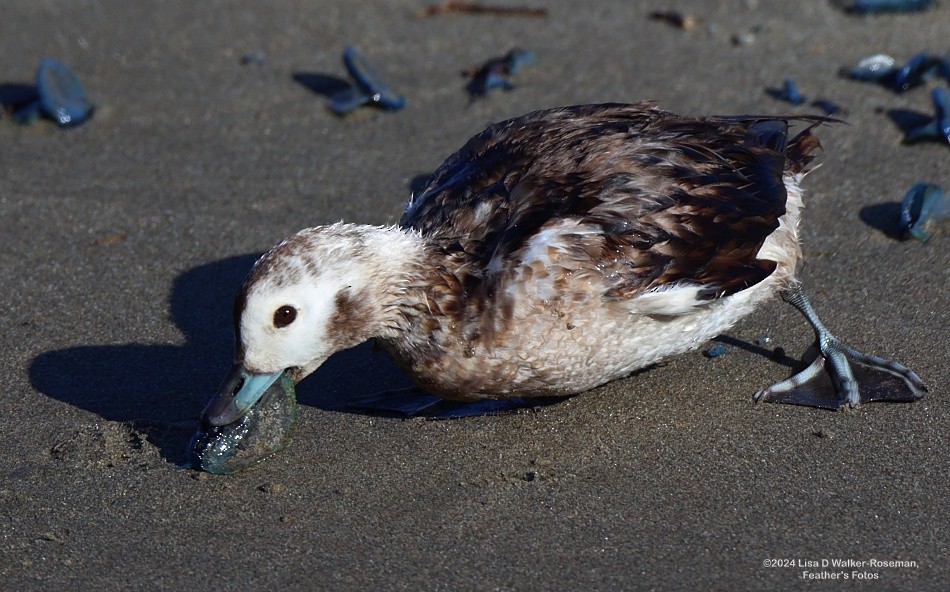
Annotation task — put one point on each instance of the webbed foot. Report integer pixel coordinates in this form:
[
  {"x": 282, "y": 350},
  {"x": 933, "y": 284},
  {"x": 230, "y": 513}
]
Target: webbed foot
[{"x": 840, "y": 377}]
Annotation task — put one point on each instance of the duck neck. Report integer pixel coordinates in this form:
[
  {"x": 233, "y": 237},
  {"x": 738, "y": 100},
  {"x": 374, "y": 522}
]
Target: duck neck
[{"x": 392, "y": 262}]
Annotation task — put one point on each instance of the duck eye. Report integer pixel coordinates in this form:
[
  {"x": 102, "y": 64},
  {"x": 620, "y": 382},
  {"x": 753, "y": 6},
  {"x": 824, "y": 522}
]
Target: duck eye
[{"x": 284, "y": 316}]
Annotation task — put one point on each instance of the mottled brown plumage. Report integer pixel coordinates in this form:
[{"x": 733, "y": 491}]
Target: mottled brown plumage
[
  {"x": 660, "y": 201},
  {"x": 555, "y": 252},
  {"x": 675, "y": 199}
]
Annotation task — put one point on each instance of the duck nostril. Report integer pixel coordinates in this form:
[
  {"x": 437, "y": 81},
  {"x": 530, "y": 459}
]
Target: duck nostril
[{"x": 237, "y": 387}]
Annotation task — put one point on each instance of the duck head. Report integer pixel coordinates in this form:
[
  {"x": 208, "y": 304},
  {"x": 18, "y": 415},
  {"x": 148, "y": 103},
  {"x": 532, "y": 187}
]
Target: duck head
[{"x": 320, "y": 291}]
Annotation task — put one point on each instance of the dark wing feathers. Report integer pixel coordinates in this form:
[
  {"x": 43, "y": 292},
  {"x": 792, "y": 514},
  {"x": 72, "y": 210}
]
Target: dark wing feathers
[{"x": 678, "y": 199}]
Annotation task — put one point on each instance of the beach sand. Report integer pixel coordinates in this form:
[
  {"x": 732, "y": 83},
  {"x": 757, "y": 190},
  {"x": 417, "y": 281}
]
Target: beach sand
[{"x": 126, "y": 238}]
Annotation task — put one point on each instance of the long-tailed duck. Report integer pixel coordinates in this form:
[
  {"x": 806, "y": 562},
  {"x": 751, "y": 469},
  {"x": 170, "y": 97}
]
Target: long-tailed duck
[{"x": 553, "y": 253}]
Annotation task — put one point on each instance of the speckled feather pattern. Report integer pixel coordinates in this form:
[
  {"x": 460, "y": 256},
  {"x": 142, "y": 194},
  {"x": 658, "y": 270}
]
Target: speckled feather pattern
[{"x": 566, "y": 248}]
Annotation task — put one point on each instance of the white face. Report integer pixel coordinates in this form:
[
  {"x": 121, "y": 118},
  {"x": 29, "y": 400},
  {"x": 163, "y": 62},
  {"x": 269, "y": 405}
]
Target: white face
[
  {"x": 286, "y": 327},
  {"x": 315, "y": 293}
]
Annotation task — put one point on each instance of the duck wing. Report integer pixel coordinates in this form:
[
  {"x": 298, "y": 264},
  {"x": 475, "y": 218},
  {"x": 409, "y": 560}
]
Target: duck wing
[{"x": 650, "y": 198}]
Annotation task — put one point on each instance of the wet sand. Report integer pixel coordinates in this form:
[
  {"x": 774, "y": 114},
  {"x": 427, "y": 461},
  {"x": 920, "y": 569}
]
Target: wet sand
[{"x": 126, "y": 238}]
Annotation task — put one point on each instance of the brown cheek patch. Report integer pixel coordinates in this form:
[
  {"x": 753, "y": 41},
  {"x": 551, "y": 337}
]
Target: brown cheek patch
[{"x": 351, "y": 322}]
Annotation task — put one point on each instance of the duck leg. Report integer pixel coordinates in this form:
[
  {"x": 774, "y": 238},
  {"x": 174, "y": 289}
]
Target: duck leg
[{"x": 840, "y": 377}]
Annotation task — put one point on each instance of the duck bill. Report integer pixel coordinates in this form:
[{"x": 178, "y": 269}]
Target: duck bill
[{"x": 236, "y": 395}]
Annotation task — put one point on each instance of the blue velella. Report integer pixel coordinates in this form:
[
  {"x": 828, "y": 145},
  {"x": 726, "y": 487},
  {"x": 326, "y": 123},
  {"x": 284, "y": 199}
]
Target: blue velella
[
  {"x": 496, "y": 72},
  {"x": 369, "y": 88},
  {"x": 62, "y": 97},
  {"x": 923, "y": 207},
  {"x": 882, "y": 6},
  {"x": 264, "y": 430},
  {"x": 937, "y": 128}
]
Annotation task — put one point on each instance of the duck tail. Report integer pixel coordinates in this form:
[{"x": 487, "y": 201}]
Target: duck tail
[{"x": 802, "y": 149}]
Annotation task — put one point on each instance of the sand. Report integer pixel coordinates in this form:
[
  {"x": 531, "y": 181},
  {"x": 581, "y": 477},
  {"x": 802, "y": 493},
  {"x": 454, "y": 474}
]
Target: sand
[{"x": 126, "y": 238}]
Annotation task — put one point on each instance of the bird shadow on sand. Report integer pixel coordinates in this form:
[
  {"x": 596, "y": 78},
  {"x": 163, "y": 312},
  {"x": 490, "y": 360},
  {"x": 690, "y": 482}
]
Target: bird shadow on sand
[
  {"x": 776, "y": 354},
  {"x": 159, "y": 391}
]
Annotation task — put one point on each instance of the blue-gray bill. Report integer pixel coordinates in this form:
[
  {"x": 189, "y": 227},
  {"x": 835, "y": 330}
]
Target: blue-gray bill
[
  {"x": 236, "y": 395},
  {"x": 261, "y": 431}
]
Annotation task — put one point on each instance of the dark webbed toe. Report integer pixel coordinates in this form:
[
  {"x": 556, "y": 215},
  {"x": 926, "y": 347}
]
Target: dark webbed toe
[
  {"x": 811, "y": 387},
  {"x": 840, "y": 377},
  {"x": 883, "y": 380},
  {"x": 848, "y": 382}
]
